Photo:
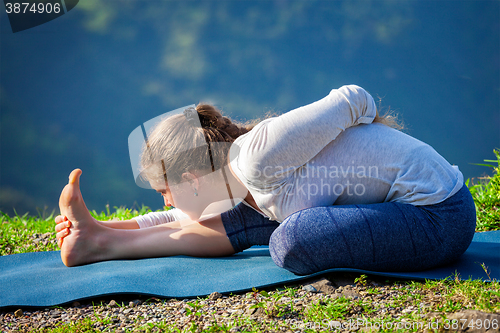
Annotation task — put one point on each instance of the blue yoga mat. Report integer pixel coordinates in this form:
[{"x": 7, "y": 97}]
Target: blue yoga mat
[{"x": 40, "y": 279}]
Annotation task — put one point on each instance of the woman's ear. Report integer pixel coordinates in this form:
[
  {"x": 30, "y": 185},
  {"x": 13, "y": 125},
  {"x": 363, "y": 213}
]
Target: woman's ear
[
  {"x": 191, "y": 179},
  {"x": 188, "y": 177}
]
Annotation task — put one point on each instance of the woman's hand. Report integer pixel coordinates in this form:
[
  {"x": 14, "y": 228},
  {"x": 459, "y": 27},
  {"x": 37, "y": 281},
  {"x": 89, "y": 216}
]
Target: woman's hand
[{"x": 62, "y": 228}]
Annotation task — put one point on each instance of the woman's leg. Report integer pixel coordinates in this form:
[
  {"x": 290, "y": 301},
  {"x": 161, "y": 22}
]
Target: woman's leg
[
  {"x": 246, "y": 227},
  {"x": 88, "y": 241},
  {"x": 380, "y": 237}
]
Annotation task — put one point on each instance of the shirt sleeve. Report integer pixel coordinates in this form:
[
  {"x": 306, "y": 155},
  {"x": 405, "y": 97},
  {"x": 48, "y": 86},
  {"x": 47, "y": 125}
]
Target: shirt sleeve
[
  {"x": 278, "y": 146},
  {"x": 156, "y": 218}
]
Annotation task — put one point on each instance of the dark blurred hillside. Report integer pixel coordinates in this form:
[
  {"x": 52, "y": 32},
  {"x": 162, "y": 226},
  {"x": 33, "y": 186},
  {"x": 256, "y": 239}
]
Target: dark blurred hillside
[
  {"x": 35, "y": 150},
  {"x": 73, "y": 89}
]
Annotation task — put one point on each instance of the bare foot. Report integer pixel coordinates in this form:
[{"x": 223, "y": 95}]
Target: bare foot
[{"x": 79, "y": 244}]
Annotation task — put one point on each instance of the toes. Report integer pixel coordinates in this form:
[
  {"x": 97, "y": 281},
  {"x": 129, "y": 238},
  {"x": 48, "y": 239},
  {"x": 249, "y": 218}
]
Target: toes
[
  {"x": 71, "y": 192},
  {"x": 74, "y": 177}
]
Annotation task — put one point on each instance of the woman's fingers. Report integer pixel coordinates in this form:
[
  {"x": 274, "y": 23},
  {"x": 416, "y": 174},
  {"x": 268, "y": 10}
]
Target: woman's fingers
[
  {"x": 62, "y": 228},
  {"x": 61, "y": 234},
  {"x": 63, "y": 225},
  {"x": 60, "y": 219}
]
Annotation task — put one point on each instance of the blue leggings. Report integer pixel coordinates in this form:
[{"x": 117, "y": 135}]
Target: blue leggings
[{"x": 380, "y": 237}]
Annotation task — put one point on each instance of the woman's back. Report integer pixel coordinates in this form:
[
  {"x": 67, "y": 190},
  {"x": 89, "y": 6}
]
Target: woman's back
[{"x": 364, "y": 164}]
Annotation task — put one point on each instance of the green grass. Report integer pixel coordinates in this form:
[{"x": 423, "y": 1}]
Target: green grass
[
  {"x": 486, "y": 194},
  {"x": 21, "y": 234}
]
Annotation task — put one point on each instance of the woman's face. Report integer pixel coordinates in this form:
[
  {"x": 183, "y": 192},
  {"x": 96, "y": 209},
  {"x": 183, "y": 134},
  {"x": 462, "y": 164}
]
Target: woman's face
[
  {"x": 167, "y": 196},
  {"x": 198, "y": 191},
  {"x": 186, "y": 197}
]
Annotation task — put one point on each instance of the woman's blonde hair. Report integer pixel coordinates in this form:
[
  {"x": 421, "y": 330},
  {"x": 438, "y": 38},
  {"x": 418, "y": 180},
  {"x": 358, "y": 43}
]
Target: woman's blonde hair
[
  {"x": 388, "y": 118},
  {"x": 171, "y": 143}
]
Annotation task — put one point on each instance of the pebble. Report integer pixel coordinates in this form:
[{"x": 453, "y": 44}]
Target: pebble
[
  {"x": 134, "y": 303},
  {"x": 112, "y": 304},
  {"x": 215, "y": 295},
  {"x": 309, "y": 288}
]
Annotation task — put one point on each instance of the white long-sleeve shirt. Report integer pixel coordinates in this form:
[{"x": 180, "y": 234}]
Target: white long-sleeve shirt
[
  {"x": 330, "y": 153},
  {"x": 156, "y": 218}
]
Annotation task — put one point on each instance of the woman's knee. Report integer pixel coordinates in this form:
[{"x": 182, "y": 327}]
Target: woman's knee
[{"x": 286, "y": 250}]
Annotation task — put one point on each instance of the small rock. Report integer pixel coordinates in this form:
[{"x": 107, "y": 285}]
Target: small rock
[
  {"x": 259, "y": 312},
  {"x": 347, "y": 294},
  {"x": 55, "y": 313},
  {"x": 134, "y": 303},
  {"x": 112, "y": 304},
  {"x": 250, "y": 311},
  {"x": 309, "y": 288},
  {"x": 215, "y": 295},
  {"x": 324, "y": 286},
  {"x": 75, "y": 304},
  {"x": 18, "y": 313}
]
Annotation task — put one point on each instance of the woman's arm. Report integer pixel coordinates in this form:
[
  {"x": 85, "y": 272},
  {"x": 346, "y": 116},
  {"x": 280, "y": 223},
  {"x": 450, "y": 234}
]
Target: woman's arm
[
  {"x": 126, "y": 224},
  {"x": 157, "y": 218},
  {"x": 141, "y": 221},
  {"x": 292, "y": 139},
  {"x": 201, "y": 239},
  {"x": 174, "y": 217}
]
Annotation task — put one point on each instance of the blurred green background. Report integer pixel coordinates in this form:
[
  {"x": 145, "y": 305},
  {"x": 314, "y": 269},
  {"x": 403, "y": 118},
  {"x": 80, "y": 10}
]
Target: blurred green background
[{"x": 73, "y": 89}]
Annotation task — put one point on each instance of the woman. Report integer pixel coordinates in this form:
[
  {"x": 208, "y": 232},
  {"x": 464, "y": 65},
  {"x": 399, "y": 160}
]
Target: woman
[{"x": 325, "y": 185}]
